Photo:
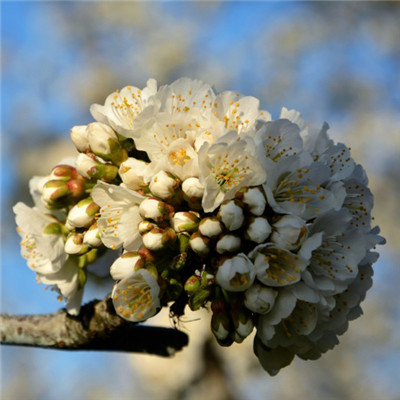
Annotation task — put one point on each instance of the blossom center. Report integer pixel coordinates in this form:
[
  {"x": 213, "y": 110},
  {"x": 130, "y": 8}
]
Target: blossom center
[{"x": 179, "y": 157}]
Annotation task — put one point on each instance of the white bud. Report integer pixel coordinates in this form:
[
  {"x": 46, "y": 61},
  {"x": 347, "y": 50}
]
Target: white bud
[
  {"x": 131, "y": 172},
  {"x": 153, "y": 240},
  {"x": 210, "y": 227},
  {"x": 192, "y": 188},
  {"x": 101, "y": 138},
  {"x": 82, "y": 214},
  {"x": 289, "y": 232},
  {"x": 79, "y": 137},
  {"x": 92, "y": 236},
  {"x": 199, "y": 244},
  {"x": 244, "y": 329},
  {"x": 163, "y": 185},
  {"x": 258, "y": 230},
  {"x": 260, "y": 299},
  {"x": 236, "y": 274},
  {"x": 48, "y": 191},
  {"x": 145, "y": 226},
  {"x": 125, "y": 265},
  {"x": 155, "y": 209},
  {"x": 231, "y": 215},
  {"x": 84, "y": 163},
  {"x": 158, "y": 239},
  {"x": 228, "y": 243},
  {"x": 221, "y": 333},
  {"x": 74, "y": 244},
  {"x": 185, "y": 221},
  {"x": 255, "y": 200}
]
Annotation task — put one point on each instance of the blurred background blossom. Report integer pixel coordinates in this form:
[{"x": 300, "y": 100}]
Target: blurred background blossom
[{"x": 334, "y": 61}]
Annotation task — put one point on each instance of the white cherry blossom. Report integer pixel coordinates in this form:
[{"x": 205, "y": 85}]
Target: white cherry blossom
[
  {"x": 43, "y": 251},
  {"x": 236, "y": 274},
  {"x": 297, "y": 186},
  {"x": 128, "y": 109},
  {"x": 276, "y": 266},
  {"x": 226, "y": 166},
  {"x": 239, "y": 113},
  {"x": 66, "y": 282},
  {"x": 135, "y": 297},
  {"x": 119, "y": 215},
  {"x": 278, "y": 140}
]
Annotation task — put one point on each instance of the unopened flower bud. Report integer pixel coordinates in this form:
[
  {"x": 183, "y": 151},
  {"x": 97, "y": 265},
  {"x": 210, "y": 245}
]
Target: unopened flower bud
[
  {"x": 61, "y": 193},
  {"x": 241, "y": 319},
  {"x": 210, "y": 227},
  {"x": 92, "y": 236},
  {"x": 192, "y": 284},
  {"x": 90, "y": 167},
  {"x": 155, "y": 209},
  {"x": 236, "y": 337},
  {"x": 185, "y": 221},
  {"x": 146, "y": 226},
  {"x": 64, "y": 173},
  {"x": 131, "y": 172},
  {"x": 80, "y": 138},
  {"x": 83, "y": 213},
  {"x": 254, "y": 199},
  {"x": 126, "y": 265},
  {"x": 199, "y": 244},
  {"x": 74, "y": 244},
  {"x": 54, "y": 192},
  {"x": 164, "y": 185},
  {"x": 103, "y": 142},
  {"x": 207, "y": 278},
  {"x": 179, "y": 261},
  {"x": 289, "y": 232},
  {"x": 159, "y": 239},
  {"x": 258, "y": 229},
  {"x": 228, "y": 243},
  {"x": 193, "y": 192},
  {"x": 221, "y": 324},
  {"x": 231, "y": 215},
  {"x": 236, "y": 274},
  {"x": 192, "y": 189},
  {"x": 260, "y": 299}
]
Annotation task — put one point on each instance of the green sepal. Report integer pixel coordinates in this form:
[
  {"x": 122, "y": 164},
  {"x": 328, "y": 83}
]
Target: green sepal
[
  {"x": 198, "y": 299},
  {"x": 53, "y": 228},
  {"x": 184, "y": 242},
  {"x": 82, "y": 277}
]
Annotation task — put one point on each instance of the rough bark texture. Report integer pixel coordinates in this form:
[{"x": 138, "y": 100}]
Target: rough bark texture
[{"x": 97, "y": 327}]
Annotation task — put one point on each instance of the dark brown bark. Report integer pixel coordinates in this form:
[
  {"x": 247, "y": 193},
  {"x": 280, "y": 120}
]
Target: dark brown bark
[{"x": 97, "y": 327}]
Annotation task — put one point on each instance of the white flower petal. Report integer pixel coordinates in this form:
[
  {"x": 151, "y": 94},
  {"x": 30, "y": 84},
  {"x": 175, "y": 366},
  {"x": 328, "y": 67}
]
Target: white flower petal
[
  {"x": 226, "y": 166},
  {"x": 119, "y": 215},
  {"x": 136, "y": 298},
  {"x": 279, "y": 139},
  {"x": 123, "y": 108}
]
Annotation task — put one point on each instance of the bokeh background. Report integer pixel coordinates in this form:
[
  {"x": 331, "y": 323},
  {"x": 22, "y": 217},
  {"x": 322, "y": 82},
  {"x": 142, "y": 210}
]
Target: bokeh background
[{"x": 334, "y": 61}]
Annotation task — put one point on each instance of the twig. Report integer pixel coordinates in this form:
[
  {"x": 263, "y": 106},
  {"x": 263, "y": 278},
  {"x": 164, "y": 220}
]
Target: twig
[{"x": 97, "y": 327}]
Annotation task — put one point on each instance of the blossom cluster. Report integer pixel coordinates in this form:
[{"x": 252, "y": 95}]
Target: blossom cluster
[{"x": 207, "y": 201}]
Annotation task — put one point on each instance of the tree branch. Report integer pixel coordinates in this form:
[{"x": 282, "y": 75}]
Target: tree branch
[{"x": 97, "y": 327}]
